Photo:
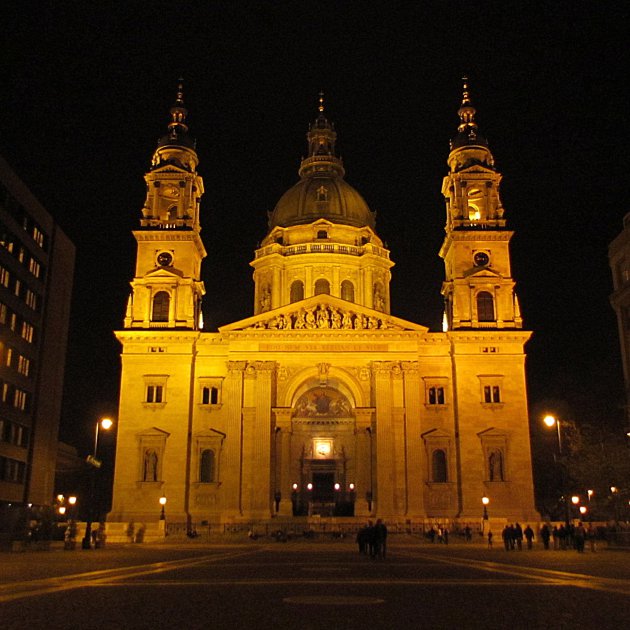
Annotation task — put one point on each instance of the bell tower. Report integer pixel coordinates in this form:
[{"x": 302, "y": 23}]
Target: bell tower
[
  {"x": 167, "y": 289},
  {"x": 478, "y": 290}
]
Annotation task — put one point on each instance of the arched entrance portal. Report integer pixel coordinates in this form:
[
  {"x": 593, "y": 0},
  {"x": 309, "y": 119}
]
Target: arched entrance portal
[{"x": 323, "y": 454}]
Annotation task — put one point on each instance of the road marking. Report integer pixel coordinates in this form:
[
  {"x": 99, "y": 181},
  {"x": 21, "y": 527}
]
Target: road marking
[
  {"x": 551, "y": 576},
  {"x": 30, "y": 588}
]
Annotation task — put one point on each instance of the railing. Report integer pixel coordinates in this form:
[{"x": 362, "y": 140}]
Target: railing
[{"x": 322, "y": 248}]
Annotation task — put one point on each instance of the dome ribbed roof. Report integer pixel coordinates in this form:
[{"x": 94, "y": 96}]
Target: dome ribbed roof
[
  {"x": 321, "y": 196},
  {"x": 321, "y": 193}
]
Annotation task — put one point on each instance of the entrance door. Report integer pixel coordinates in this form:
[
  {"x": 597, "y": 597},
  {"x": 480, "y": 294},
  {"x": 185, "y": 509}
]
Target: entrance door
[{"x": 323, "y": 487}]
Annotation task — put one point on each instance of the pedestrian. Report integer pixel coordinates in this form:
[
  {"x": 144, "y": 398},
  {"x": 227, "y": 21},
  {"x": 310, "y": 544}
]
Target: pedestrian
[
  {"x": 529, "y": 536},
  {"x": 545, "y": 534},
  {"x": 371, "y": 539},
  {"x": 445, "y": 535},
  {"x": 518, "y": 536},
  {"x": 467, "y": 533},
  {"x": 380, "y": 534},
  {"x": 579, "y": 534},
  {"x": 556, "y": 537},
  {"x": 506, "y": 535},
  {"x": 489, "y": 540},
  {"x": 362, "y": 539},
  {"x": 592, "y": 538}
]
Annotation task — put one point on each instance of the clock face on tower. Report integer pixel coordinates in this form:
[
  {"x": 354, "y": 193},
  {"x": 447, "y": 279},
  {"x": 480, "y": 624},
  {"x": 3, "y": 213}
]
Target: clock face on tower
[
  {"x": 164, "y": 259},
  {"x": 481, "y": 259}
]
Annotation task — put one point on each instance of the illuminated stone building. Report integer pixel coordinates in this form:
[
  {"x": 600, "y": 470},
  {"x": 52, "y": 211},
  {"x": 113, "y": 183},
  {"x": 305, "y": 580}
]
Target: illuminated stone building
[
  {"x": 323, "y": 403},
  {"x": 36, "y": 271}
]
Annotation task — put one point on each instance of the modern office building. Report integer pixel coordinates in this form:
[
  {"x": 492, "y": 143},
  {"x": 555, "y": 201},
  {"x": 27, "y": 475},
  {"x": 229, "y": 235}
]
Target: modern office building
[
  {"x": 323, "y": 403},
  {"x": 36, "y": 272}
]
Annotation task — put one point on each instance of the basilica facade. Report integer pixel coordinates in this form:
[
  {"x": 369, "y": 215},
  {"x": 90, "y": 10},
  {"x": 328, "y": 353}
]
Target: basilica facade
[{"x": 322, "y": 403}]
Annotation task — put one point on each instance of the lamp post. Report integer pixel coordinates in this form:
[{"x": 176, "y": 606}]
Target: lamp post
[
  {"x": 550, "y": 421},
  {"x": 484, "y": 522},
  {"x": 106, "y": 424},
  {"x": 162, "y": 512}
]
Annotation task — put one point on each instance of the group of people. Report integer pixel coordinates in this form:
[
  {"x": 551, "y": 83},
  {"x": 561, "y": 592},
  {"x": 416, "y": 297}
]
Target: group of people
[
  {"x": 372, "y": 540},
  {"x": 513, "y": 536},
  {"x": 569, "y": 537},
  {"x": 562, "y": 537}
]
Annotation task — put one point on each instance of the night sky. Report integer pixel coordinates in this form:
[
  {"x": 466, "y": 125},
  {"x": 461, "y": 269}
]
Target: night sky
[{"x": 86, "y": 92}]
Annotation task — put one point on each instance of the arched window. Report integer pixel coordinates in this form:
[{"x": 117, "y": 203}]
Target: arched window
[
  {"x": 322, "y": 286},
  {"x": 297, "y": 291},
  {"x": 495, "y": 466},
  {"x": 485, "y": 307},
  {"x": 347, "y": 291},
  {"x": 161, "y": 303},
  {"x": 206, "y": 466},
  {"x": 440, "y": 473}
]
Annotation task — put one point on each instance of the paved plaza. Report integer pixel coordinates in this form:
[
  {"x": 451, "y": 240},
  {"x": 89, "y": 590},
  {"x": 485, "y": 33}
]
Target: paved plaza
[{"x": 313, "y": 584}]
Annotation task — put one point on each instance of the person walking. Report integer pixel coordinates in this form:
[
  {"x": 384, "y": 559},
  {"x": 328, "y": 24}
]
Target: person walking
[
  {"x": 529, "y": 536},
  {"x": 545, "y": 534},
  {"x": 489, "y": 540},
  {"x": 380, "y": 534}
]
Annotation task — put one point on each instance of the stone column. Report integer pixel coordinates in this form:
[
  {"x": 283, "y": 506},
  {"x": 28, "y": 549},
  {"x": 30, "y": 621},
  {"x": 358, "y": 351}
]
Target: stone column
[
  {"x": 283, "y": 459},
  {"x": 414, "y": 403},
  {"x": 232, "y": 455},
  {"x": 364, "y": 481}
]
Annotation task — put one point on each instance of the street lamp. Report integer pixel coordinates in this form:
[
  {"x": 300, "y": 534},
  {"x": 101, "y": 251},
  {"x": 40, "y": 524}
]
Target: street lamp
[
  {"x": 105, "y": 424},
  {"x": 484, "y": 501},
  {"x": 551, "y": 421},
  {"x": 162, "y": 513}
]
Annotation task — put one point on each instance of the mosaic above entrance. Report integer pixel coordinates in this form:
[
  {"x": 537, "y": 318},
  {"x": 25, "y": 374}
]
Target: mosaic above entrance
[{"x": 322, "y": 402}]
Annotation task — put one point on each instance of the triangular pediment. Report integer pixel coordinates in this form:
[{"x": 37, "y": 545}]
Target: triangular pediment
[
  {"x": 482, "y": 272},
  {"x": 169, "y": 167},
  {"x": 153, "y": 432},
  {"x": 164, "y": 272},
  {"x": 324, "y": 312}
]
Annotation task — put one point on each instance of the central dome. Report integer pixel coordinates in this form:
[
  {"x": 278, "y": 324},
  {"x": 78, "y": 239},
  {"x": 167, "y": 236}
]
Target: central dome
[
  {"x": 321, "y": 196},
  {"x": 322, "y": 192}
]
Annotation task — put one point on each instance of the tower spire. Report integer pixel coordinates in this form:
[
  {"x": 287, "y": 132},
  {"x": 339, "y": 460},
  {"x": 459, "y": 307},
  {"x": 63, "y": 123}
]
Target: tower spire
[
  {"x": 467, "y": 130},
  {"x": 321, "y": 138},
  {"x": 177, "y": 134}
]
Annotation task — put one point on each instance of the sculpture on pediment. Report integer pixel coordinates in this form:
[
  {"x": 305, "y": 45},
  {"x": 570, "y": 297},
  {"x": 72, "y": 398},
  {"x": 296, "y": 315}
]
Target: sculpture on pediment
[
  {"x": 300, "y": 320},
  {"x": 346, "y": 322},
  {"x": 310, "y": 318},
  {"x": 335, "y": 318},
  {"x": 322, "y": 317}
]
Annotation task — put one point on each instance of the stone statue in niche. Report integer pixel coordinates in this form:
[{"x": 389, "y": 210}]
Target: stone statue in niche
[
  {"x": 379, "y": 303},
  {"x": 150, "y": 465},
  {"x": 265, "y": 300}
]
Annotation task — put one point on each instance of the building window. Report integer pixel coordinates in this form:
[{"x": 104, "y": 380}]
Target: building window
[
  {"x": 4, "y": 277},
  {"x": 27, "y": 332},
  {"x": 322, "y": 286},
  {"x": 322, "y": 195},
  {"x": 31, "y": 299},
  {"x": 438, "y": 466},
  {"x": 20, "y": 399},
  {"x": 496, "y": 469},
  {"x": 322, "y": 234},
  {"x": 161, "y": 303},
  {"x": 297, "y": 291},
  {"x": 485, "y": 307},
  {"x": 34, "y": 267},
  {"x": 11, "y": 470},
  {"x": 3, "y": 313},
  {"x": 155, "y": 393},
  {"x": 210, "y": 396},
  {"x": 491, "y": 394},
  {"x": 436, "y": 396},
  {"x": 23, "y": 365},
  {"x": 207, "y": 466},
  {"x": 347, "y": 291}
]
